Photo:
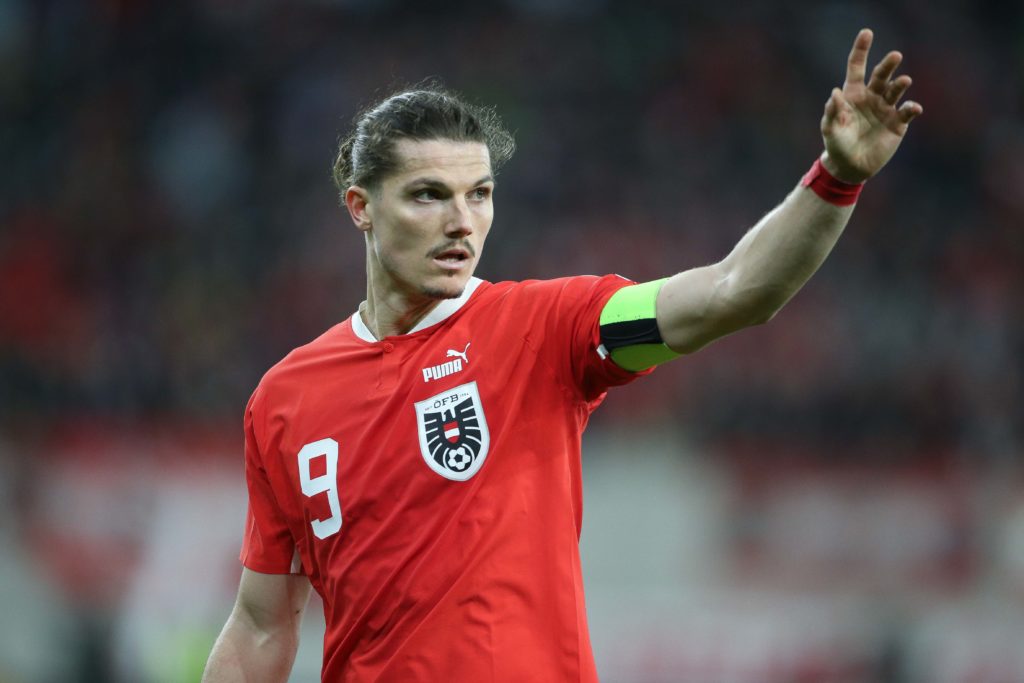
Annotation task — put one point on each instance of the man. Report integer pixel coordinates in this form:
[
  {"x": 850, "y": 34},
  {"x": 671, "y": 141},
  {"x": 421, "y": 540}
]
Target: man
[{"x": 418, "y": 464}]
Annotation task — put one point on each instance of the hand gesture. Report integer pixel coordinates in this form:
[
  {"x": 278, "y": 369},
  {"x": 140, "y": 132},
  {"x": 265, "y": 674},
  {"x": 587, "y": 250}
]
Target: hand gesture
[{"x": 863, "y": 126}]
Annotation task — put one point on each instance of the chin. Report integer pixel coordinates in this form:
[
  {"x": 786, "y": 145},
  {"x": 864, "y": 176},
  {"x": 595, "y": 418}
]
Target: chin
[
  {"x": 449, "y": 288},
  {"x": 450, "y": 292}
]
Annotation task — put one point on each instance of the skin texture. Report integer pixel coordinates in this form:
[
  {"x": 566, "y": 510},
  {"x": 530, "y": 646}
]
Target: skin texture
[
  {"x": 864, "y": 123},
  {"x": 440, "y": 199},
  {"x": 259, "y": 640}
]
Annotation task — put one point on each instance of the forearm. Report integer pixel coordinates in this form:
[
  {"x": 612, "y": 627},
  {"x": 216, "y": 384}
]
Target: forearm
[
  {"x": 780, "y": 253},
  {"x": 762, "y": 272},
  {"x": 245, "y": 654}
]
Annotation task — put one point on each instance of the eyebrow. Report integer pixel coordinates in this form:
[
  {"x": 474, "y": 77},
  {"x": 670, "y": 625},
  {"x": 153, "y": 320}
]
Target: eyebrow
[{"x": 441, "y": 185}]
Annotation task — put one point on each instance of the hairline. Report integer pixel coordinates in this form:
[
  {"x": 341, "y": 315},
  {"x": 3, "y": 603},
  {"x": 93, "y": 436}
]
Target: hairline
[{"x": 375, "y": 185}]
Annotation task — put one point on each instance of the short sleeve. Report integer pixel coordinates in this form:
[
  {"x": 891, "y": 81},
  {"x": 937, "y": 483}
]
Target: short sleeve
[
  {"x": 268, "y": 546},
  {"x": 572, "y": 336}
]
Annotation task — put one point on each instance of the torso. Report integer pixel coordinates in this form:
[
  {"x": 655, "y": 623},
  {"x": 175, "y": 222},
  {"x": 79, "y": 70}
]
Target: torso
[{"x": 458, "y": 485}]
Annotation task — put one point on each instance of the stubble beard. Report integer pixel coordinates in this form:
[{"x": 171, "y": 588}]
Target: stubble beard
[
  {"x": 440, "y": 293},
  {"x": 435, "y": 293},
  {"x": 425, "y": 290}
]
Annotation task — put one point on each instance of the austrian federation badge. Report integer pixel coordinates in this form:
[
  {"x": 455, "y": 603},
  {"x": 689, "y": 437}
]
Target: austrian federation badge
[{"x": 453, "y": 432}]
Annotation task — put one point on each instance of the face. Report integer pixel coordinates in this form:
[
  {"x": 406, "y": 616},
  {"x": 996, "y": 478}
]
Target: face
[{"x": 427, "y": 222}]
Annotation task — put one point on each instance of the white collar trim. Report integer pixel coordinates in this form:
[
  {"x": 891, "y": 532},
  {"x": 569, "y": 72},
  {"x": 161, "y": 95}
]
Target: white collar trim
[{"x": 440, "y": 312}]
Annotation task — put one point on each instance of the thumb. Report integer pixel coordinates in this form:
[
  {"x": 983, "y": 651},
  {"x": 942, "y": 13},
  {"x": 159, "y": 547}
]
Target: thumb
[{"x": 833, "y": 106}]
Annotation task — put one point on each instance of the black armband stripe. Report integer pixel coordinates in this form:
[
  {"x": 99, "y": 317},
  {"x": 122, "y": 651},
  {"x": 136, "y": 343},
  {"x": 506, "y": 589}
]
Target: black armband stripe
[
  {"x": 629, "y": 328},
  {"x": 630, "y": 333}
]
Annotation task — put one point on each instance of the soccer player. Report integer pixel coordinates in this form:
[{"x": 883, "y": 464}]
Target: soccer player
[{"x": 419, "y": 463}]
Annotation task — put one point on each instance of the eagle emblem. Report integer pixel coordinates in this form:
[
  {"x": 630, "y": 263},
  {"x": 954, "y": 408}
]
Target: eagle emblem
[{"x": 453, "y": 432}]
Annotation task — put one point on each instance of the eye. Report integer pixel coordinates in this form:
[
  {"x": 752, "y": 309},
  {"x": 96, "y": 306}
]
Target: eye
[
  {"x": 481, "y": 193},
  {"x": 427, "y": 194}
]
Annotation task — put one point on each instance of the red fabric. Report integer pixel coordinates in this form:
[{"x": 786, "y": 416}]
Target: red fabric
[
  {"x": 431, "y": 579},
  {"x": 829, "y": 188}
]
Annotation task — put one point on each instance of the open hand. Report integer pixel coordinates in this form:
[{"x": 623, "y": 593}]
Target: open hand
[{"x": 864, "y": 123}]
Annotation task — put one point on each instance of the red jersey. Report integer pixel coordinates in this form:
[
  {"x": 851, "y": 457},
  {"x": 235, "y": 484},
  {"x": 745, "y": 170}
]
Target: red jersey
[{"x": 429, "y": 484}]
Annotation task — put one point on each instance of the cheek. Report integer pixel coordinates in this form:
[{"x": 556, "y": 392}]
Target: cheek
[
  {"x": 405, "y": 237},
  {"x": 483, "y": 231},
  {"x": 484, "y": 218}
]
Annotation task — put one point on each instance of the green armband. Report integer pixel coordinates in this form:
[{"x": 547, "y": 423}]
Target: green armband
[{"x": 629, "y": 328}]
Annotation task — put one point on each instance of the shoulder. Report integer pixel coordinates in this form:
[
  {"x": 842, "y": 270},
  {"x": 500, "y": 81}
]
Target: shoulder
[
  {"x": 308, "y": 359},
  {"x": 558, "y": 290},
  {"x": 543, "y": 310}
]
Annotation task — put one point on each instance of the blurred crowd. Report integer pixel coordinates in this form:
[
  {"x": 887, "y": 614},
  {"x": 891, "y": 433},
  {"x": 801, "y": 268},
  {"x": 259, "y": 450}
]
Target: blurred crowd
[{"x": 170, "y": 229}]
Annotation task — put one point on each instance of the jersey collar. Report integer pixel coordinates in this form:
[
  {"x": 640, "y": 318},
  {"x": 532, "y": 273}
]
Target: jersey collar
[{"x": 441, "y": 312}]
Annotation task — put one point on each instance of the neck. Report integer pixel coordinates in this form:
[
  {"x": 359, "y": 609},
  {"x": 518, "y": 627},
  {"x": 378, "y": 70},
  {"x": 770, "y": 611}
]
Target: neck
[{"x": 394, "y": 313}]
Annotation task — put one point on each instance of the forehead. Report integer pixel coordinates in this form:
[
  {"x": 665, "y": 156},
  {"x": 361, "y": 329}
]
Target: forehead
[{"x": 443, "y": 159}]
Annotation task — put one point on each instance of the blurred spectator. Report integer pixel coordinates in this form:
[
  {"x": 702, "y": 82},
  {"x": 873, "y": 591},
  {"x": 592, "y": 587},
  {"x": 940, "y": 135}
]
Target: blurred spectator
[{"x": 168, "y": 230}]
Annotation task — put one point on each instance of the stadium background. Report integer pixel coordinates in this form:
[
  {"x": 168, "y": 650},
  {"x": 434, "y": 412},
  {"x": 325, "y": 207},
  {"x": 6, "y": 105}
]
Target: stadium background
[{"x": 836, "y": 497}]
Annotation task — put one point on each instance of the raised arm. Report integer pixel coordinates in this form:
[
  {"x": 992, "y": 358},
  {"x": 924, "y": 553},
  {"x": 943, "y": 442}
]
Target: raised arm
[
  {"x": 862, "y": 127},
  {"x": 259, "y": 640}
]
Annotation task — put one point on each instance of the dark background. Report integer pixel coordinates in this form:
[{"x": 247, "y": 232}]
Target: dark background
[{"x": 168, "y": 230}]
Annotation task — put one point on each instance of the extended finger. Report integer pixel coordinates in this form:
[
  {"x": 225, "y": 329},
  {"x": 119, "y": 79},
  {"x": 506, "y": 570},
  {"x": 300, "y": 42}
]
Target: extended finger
[
  {"x": 856, "y": 65},
  {"x": 894, "y": 91},
  {"x": 883, "y": 72},
  {"x": 909, "y": 110}
]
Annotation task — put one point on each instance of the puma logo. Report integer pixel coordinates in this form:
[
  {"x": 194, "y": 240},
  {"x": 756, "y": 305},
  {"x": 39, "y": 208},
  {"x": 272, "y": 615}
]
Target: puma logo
[
  {"x": 448, "y": 367},
  {"x": 452, "y": 353}
]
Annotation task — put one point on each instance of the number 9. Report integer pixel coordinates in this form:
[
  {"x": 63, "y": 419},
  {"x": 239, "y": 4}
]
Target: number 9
[{"x": 325, "y": 483}]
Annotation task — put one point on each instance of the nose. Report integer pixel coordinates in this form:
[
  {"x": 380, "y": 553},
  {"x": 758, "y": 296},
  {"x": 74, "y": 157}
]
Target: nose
[{"x": 459, "y": 223}]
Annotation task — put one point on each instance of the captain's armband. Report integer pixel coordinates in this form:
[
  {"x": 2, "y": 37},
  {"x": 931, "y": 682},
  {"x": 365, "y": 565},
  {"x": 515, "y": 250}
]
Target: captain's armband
[{"x": 629, "y": 328}]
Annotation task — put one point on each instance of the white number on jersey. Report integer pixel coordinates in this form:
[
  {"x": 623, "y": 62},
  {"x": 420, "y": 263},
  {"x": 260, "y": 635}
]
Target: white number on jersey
[{"x": 325, "y": 483}]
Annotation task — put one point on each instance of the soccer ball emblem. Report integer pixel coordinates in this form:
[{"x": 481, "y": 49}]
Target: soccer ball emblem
[{"x": 459, "y": 458}]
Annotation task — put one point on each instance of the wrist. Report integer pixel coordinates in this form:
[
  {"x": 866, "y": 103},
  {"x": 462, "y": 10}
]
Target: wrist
[
  {"x": 821, "y": 179},
  {"x": 843, "y": 175}
]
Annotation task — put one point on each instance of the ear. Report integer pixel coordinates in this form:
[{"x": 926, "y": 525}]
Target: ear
[{"x": 357, "y": 200}]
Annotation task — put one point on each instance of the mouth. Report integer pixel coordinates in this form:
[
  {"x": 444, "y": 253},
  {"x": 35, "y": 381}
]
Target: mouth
[{"x": 454, "y": 258}]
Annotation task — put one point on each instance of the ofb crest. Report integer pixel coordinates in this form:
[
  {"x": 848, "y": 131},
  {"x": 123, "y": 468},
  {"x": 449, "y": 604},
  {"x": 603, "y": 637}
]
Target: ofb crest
[{"x": 453, "y": 432}]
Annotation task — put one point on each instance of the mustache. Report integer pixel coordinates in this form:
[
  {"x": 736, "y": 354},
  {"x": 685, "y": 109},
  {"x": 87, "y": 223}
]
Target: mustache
[{"x": 455, "y": 244}]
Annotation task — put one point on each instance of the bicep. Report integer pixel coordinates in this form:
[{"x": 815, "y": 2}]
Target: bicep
[
  {"x": 648, "y": 324},
  {"x": 271, "y": 602},
  {"x": 693, "y": 308}
]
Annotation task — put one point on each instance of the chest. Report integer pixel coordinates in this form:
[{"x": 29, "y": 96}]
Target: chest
[{"x": 408, "y": 424}]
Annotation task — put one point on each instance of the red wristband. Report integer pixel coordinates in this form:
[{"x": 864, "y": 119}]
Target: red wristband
[{"x": 833, "y": 191}]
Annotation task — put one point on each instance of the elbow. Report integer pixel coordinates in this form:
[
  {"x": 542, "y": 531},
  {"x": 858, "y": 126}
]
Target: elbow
[
  {"x": 742, "y": 317},
  {"x": 726, "y": 303},
  {"x": 717, "y": 323},
  {"x": 762, "y": 315},
  {"x": 757, "y": 306}
]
